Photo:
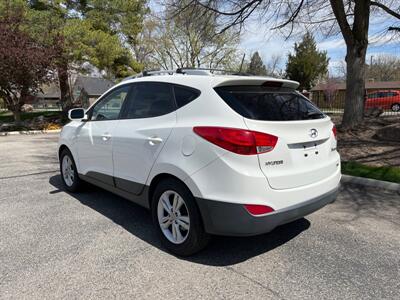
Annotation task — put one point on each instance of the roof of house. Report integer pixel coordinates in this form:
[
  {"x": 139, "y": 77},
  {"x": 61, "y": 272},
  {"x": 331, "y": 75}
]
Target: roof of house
[
  {"x": 370, "y": 85},
  {"x": 49, "y": 91},
  {"x": 93, "y": 86}
]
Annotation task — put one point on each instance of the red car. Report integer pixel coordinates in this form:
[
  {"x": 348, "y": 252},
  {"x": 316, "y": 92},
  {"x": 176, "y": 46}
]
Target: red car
[{"x": 388, "y": 99}]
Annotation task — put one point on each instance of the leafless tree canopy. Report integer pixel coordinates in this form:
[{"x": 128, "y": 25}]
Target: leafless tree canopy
[
  {"x": 384, "y": 68},
  {"x": 291, "y": 16},
  {"x": 351, "y": 18},
  {"x": 186, "y": 39}
]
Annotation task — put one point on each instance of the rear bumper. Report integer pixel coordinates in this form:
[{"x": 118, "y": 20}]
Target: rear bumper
[{"x": 223, "y": 218}]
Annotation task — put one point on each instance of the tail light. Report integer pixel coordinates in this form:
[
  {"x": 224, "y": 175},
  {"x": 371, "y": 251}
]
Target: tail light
[
  {"x": 334, "y": 131},
  {"x": 240, "y": 141},
  {"x": 257, "y": 210}
]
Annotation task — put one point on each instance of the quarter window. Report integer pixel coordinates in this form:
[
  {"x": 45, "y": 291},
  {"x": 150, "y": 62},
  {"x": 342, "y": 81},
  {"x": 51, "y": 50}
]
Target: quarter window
[
  {"x": 110, "y": 106},
  {"x": 185, "y": 95},
  {"x": 150, "y": 99}
]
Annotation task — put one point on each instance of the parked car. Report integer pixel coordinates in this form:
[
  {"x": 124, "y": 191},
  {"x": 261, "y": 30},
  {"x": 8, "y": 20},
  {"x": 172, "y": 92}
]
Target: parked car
[
  {"x": 389, "y": 99},
  {"x": 207, "y": 154},
  {"x": 27, "y": 108}
]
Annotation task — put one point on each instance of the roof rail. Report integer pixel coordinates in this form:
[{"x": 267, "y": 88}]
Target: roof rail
[
  {"x": 208, "y": 71},
  {"x": 149, "y": 73},
  {"x": 188, "y": 71},
  {"x": 157, "y": 72}
]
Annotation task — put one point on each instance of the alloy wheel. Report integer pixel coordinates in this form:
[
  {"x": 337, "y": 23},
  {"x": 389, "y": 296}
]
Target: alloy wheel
[
  {"x": 68, "y": 171},
  {"x": 173, "y": 217},
  {"x": 396, "y": 107}
]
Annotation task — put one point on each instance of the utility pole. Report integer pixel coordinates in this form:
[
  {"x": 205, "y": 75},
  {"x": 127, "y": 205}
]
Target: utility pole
[{"x": 241, "y": 64}]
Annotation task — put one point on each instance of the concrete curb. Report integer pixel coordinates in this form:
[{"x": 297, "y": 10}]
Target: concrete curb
[
  {"x": 371, "y": 183},
  {"x": 29, "y": 132}
]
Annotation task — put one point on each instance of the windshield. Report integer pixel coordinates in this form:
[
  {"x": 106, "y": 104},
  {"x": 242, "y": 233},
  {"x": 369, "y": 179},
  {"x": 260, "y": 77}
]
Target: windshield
[{"x": 266, "y": 104}]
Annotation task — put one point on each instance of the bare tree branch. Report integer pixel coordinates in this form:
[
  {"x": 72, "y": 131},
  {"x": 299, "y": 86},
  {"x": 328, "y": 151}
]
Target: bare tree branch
[
  {"x": 239, "y": 12},
  {"x": 386, "y": 9},
  {"x": 340, "y": 14},
  {"x": 292, "y": 17}
]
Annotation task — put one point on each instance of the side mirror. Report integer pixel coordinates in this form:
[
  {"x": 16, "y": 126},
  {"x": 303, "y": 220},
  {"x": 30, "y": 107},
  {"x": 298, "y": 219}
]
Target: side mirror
[{"x": 77, "y": 114}]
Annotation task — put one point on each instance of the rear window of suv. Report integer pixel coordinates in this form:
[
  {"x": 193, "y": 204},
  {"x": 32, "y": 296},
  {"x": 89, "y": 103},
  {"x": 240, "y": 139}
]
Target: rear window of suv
[{"x": 269, "y": 104}]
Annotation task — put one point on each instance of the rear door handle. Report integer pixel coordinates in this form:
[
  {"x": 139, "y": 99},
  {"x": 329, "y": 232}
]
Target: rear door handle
[
  {"x": 154, "y": 140},
  {"x": 105, "y": 137}
]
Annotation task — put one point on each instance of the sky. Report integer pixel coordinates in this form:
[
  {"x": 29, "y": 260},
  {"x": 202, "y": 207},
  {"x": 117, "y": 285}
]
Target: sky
[{"x": 256, "y": 37}]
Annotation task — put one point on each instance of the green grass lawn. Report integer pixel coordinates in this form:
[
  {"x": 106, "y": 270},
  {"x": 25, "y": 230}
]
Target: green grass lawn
[
  {"x": 391, "y": 174},
  {"x": 7, "y": 116}
]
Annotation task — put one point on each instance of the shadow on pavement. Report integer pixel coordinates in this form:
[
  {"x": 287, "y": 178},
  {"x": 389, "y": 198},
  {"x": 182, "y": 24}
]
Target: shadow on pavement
[
  {"x": 222, "y": 251},
  {"x": 359, "y": 201}
]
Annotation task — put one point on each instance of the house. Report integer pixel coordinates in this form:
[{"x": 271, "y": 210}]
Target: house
[
  {"x": 332, "y": 94},
  {"x": 85, "y": 91},
  {"x": 48, "y": 98}
]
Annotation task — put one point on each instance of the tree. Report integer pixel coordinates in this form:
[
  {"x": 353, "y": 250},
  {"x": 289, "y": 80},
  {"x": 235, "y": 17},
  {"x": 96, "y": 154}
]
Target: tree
[
  {"x": 307, "y": 64},
  {"x": 24, "y": 63},
  {"x": 330, "y": 91},
  {"x": 350, "y": 18},
  {"x": 256, "y": 65},
  {"x": 91, "y": 31},
  {"x": 384, "y": 68},
  {"x": 273, "y": 66},
  {"x": 188, "y": 39}
]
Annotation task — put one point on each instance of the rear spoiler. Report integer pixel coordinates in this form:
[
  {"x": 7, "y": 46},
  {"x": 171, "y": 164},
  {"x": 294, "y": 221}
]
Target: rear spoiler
[{"x": 262, "y": 81}]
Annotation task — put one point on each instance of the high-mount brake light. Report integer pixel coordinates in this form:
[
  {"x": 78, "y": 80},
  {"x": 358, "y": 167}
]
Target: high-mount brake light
[
  {"x": 239, "y": 141},
  {"x": 272, "y": 84}
]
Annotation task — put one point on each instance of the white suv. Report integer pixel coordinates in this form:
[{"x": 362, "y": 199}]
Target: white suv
[{"x": 207, "y": 154}]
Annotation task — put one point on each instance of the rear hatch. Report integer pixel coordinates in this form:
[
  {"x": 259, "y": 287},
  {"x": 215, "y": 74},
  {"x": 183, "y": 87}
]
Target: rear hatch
[{"x": 306, "y": 149}]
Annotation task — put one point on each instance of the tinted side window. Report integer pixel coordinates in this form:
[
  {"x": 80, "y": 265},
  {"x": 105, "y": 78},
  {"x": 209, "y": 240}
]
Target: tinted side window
[
  {"x": 110, "y": 106},
  {"x": 381, "y": 94},
  {"x": 184, "y": 95},
  {"x": 150, "y": 99}
]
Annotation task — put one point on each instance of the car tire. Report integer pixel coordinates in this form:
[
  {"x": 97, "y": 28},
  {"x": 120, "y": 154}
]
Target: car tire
[
  {"x": 395, "y": 107},
  {"x": 185, "y": 218},
  {"x": 69, "y": 174}
]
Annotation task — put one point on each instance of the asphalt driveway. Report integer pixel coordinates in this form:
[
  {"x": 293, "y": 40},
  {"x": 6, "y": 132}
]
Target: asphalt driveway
[{"x": 97, "y": 245}]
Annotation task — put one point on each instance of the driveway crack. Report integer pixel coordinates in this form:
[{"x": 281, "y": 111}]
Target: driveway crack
[
  {"x": 29, "y": 174},
  {"x": 255, "y": 282}
]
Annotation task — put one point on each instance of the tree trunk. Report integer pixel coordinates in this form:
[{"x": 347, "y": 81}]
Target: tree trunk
[
  {"x": 17, "y": 116},
  {"x": 355, "y": 86},
  {"x": 66, "y": 100}
]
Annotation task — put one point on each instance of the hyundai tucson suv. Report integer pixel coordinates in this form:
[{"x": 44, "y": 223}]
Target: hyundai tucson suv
[{"x": 207, "y": 154}]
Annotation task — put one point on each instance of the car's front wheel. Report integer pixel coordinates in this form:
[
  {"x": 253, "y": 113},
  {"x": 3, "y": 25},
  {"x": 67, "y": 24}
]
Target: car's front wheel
[
  {"x": 396, "y": 107},
  {"x": 69, "y": 173},
  {"x": 177, "y": 218}
]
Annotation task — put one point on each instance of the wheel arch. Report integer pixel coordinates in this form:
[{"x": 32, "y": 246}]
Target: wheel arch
[
  {"x": 155, "y": 181},
  {"x": 62, "y": 148},
  {"x": 162, "y": 176}
]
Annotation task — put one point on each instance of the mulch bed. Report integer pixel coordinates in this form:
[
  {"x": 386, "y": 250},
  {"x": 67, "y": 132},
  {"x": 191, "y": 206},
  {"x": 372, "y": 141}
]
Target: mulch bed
[{"x": 362, "y": 144}]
